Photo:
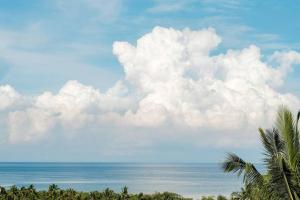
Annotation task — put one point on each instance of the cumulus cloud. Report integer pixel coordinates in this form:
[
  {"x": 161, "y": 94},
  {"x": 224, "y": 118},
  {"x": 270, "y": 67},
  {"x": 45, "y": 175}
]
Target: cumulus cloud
[
  {"x": 175, "y": 72},
  {"x": 171, "y": 78},
  {"x": 8, "y": 97},
  {"x": 73, "y": 107},
  {"x": 29, "y": 125}
]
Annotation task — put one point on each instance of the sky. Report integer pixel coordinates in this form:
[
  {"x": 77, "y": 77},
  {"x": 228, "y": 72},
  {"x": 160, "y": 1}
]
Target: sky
[{"x": 144, "y": 80}]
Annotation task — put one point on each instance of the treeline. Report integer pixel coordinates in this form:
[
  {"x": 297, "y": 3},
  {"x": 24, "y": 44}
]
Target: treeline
[{"x": 55, "y": 193}]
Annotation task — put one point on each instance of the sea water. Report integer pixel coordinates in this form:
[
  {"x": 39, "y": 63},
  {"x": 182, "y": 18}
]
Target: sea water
[{"x": 187, "y": 179}]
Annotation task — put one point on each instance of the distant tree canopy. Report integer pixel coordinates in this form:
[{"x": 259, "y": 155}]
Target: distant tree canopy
[{"x": 55, "y": 193}]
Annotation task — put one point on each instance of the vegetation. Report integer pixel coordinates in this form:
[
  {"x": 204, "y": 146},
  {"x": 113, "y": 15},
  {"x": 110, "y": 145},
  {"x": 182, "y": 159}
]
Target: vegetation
[
  {"x": 55, "y": 193},
  {"x": 220, "y": 197},
  {"x": 282, "y": 159}
]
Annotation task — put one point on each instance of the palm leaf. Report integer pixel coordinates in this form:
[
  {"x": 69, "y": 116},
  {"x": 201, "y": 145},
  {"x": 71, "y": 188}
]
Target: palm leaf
[
  {"x": 281, "y": 178},
  {"x": 286, "y": 126},
  {"x": 235, "y": 164},
  {"x": 272, "y": 142}
]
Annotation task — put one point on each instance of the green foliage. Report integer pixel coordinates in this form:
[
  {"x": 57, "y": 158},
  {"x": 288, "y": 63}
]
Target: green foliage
[
  {"x": 208, "y": 198},
  {"x": 282, "y": 159},
  {"x": 220, "y": 197},
  {"x": 55, "y": 193}
]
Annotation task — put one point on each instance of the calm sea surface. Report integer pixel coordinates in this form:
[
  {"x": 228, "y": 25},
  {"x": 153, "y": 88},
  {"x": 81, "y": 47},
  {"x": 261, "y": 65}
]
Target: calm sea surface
[{"x": 185, "y": 179}]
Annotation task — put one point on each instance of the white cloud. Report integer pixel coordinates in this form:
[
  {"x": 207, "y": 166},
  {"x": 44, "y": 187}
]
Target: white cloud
[
  {"x": 29, "y": 125},
  {"x": 171, "y": 78},
  {"x": 8, "y": 97},
  {"x": 73, "y": 107},
  {"x": 174, "y": 71},
  {"x": 285, "y": 60}
]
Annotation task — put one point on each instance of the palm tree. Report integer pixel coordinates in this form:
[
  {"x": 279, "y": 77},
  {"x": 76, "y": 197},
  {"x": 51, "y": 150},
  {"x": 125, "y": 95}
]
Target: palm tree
[
  {"x": 31, "y": 192},
  {"x": 3, "y": 192},
  {"x": 70, "y": 193},
  {"x": 53, "y": 191},
  {"x": 245, "y": 194},
  {"x": 108, "y": 194},
  {"x": 13, "y": 192},
  {"x": 282, "y": 159},
  {"x": 124, "y": 193}
]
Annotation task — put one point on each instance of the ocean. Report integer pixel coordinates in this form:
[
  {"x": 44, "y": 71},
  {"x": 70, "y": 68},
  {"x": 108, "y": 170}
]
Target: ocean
[{"x": 188, "y": 179}]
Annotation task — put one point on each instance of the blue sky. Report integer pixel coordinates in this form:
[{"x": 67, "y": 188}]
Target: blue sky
[
  {"x": 45, "y": 44},
  {"x": 272, "y": 25}
]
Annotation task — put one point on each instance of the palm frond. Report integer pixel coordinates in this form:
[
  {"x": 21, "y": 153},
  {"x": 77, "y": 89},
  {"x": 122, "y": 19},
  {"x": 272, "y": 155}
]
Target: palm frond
[
  {"x": 286, "y": 127},
  {"x": 235, "y": 164},
  {"x": 282, "y": 158},
  {"x": 272, "y": 142},
  {"x": 297, "y": 157},
  {"x": 281, "y": 178}
]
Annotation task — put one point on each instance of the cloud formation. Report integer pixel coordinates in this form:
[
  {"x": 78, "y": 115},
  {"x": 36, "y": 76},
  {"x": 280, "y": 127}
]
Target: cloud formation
[
  {"x": 8, "y": 97},
  {"x": 172, "y": 77}
]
